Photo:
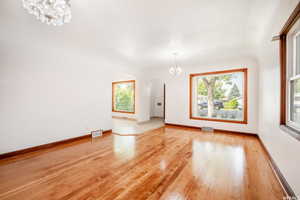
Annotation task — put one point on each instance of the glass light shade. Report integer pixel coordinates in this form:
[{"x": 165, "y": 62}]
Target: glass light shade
[
  {"x": 178, "y": 70},
  {"x": 172, "y": 70},
  {"x": 175, "y": 71},
  {"x": 51, "y": 12}
]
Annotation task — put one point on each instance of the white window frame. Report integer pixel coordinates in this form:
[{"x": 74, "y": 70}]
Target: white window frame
[{"x": 292, "y": 69}]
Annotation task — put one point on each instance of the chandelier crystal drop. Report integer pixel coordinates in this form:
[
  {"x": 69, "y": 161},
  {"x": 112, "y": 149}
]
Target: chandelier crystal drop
[
  {"x": 175, "y": 70},
  {"x": 51, "y": 12}
]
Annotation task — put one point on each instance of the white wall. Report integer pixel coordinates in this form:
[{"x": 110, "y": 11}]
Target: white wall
[
  {"x": 50, "y": 94},
  {"x": 143, "y": 92},
  {"x": 283, "y": 148},
  {"x": 157, "y": 96},
  {"x": 177, "y": 93}
]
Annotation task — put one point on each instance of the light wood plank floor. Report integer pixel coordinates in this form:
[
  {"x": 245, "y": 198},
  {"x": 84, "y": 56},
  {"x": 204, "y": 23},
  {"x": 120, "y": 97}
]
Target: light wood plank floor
[{"x": 166, "y": 163}]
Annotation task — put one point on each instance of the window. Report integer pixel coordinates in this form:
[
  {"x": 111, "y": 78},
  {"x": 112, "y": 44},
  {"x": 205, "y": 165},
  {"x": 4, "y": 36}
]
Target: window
[
  {"x": 219, "y": 96},
  {"x": 293, "y": 78},
  {"x": 123, "y": 96},
  {"x": 290, "y": 74}
]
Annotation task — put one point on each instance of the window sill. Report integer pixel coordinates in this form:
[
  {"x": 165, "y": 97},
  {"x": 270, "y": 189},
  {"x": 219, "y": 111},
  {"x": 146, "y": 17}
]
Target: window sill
[{"x": 291, "y": 131}]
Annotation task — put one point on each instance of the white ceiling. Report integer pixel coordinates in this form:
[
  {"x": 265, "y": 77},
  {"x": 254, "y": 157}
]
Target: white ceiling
[{"x": 144, "y": 33}]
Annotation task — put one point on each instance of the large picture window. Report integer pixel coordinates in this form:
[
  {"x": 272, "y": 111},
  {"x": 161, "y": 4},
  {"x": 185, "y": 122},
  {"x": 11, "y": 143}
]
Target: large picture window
[
  {"x": 123, "y": 96},
  {"x": 219, "y": 96}
]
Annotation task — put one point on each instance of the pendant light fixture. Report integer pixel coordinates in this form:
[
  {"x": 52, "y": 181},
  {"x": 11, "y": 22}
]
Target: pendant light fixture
[{"x": 175, "y": 70}]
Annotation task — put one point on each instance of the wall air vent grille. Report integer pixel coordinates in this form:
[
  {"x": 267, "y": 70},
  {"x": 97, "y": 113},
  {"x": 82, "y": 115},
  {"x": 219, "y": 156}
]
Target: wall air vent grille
[
  {"x": 97, "y": 133},
  {"x": 207, "y": 129}
]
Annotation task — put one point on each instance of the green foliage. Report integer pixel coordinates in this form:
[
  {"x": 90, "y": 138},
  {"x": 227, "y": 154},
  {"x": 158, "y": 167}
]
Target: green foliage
[
  {"x": 234, "y": 92},
  {"x": 226, "y": 78},
  {"x": 297, "y": 85},
  {"x": 202, "y": 90},
  {"x": 219, "y": 92},
  {"x": 124, "y": 95},
  {"x": 220, "y": 81},
  {"x": 232, "y": 104}
]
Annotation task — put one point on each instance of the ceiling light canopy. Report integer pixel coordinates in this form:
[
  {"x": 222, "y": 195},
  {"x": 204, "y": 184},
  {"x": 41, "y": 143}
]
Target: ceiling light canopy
[{"x": 51, "y": 12}]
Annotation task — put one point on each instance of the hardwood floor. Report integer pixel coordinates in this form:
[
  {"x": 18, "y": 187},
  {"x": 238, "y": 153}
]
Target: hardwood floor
[{"x": 166, "y": 163}]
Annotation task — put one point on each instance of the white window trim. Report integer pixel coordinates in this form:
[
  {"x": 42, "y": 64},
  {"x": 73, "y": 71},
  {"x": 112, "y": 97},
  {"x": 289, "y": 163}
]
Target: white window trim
[
  {"x": 292, "y": 77},
  {"x": 295, "y": 52}
]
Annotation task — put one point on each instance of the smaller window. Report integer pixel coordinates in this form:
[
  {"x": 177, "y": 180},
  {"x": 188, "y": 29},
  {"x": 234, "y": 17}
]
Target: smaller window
[{"x": 123, "y": 96}]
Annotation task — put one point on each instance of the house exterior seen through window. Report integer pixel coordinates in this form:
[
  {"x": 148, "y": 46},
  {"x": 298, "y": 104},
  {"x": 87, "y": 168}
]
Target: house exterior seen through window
[{"x": 219, "y": 96}]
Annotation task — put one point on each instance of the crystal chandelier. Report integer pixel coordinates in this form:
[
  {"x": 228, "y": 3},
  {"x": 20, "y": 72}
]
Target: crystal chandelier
[
  {"x": 51, "y": 12},
  {"x": 175, "y": 70}
]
